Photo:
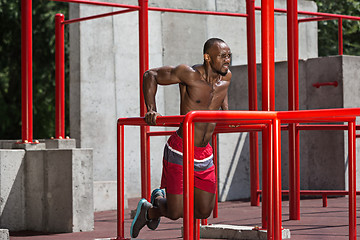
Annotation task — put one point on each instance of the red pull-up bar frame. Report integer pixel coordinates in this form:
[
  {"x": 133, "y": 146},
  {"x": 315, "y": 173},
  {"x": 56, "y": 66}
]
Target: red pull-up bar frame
[{"x": 253, "y": 120}]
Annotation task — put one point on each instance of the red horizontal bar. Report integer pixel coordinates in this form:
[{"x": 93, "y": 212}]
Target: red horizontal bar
[
  {"x": 98, "y": 16},
  {"x": 312, "y": 19},
  {"x": 317, "y": 14},
  {"x": 105, "y": 4},
  {"x": 317, "y": 119},
  {"x": 160, "y": 133},
  {"x": 334, "y": 83},
  {"x": 198, "y": 12},
  {"x": 318, "y": 192},
  {"x": 334, "y": 114}
]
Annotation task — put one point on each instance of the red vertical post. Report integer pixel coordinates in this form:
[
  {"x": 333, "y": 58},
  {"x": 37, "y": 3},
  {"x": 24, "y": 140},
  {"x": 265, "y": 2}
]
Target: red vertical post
[
  {"x": 120, "y": 181},
  {"x": 277, "y": 180},
  {"x": 252, "y": 90},
  {"x": 340, "y": 37},
  {"x": 268, "y": 95},
  {"x": 143, "y": 66},
  {"x": 269, "y": 183},
  {"x": 188, "y": 179},
  {"x": 59, "y": 77},
  {"x": 26, "y": 72},
  {"x": 352, "y": 179},
  {"x": 196, "y": 229},
  {"x": 215, "y": 153},
  {"x": 293, "y": 104},
  {"x": 264, "y": 193}
]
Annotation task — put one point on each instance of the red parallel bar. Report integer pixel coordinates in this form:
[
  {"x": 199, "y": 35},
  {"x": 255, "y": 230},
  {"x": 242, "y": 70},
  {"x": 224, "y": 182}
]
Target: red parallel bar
[
  {"x": 215, "y": 160},
  {"x": 252, "y": 91},
  {"x": 59, "y": 77},
  {"x": 105, "y": 4},
  {"x": 322, "y": 127},
  {"x": 26, "y": 72},
  {"x": 98, "y": 16},
  {"x": 120, "y": 182},
  {"x": 334, "y": 83},
  {"x": 357, "y": 135},
  {"x": 143, "y": 66},
  {"x": 277, "y": 180},
  {"x": 333, "y": 114},
  {"x": 188, "y": 163},
  {"x": 340, "y": 36},
  {"x": 314, "y": 19},
  {"x": 160, "y": 133},
  {"x": 352, "y": 179},
  {"x": 293, "y": 104},
  {"x": 197, "y": 12}
]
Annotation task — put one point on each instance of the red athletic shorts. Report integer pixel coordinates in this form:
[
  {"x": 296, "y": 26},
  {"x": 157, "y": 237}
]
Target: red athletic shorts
[{"x": 172, "y": 174}]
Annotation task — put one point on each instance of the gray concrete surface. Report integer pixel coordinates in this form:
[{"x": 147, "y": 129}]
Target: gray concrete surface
[
  {"x": 48, "y": 190},
  {"x": 4, "y": 234},
  {"x": 226, "y": 231},
  {"x": 104, "y": 81}
]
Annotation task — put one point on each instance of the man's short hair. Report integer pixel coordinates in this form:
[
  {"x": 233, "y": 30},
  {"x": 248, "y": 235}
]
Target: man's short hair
[{"x": 210, "y": 42}]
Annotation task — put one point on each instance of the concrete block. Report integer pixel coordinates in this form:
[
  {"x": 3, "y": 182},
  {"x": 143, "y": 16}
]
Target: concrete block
[
  {"x": 60, "y": 190},
  {"x": 29, "y": 146},
  {"x": 12, "y": 194},
  {"x": 60, "y": 143},
  {"x": 224, "y": 231},
  {"x": 4, "y": 234}
]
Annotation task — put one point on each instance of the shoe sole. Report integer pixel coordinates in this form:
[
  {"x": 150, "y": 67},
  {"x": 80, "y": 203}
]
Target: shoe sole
[{"x": 141, "y": 202}]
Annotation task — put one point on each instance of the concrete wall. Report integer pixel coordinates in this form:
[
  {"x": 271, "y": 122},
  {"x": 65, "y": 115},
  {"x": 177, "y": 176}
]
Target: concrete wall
[
  {"x": 104, "y": 72},
  {"x": 323, "y": 154}
]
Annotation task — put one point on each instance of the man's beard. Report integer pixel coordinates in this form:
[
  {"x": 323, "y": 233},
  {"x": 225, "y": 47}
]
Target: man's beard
[{"x": 223, "y": 73}]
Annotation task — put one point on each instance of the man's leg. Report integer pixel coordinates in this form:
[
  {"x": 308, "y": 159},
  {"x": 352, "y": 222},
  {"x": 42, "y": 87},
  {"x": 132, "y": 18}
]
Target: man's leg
[{"x": 172, "y": 206}]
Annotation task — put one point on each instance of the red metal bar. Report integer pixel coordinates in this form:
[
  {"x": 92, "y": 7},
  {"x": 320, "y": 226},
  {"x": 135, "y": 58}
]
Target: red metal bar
[
  {"x": 98, "y": 16},
  {"x": 59, "y": 77},
  {"x": 204, "y": 222},
  {"x": 264, "y": 202},
  {"x": 325, "y": 202},
  {"x": 160, "y": 133},
  {"x": 322, "y": 127},
  {"x": 277, "y": 180},
  {"x": 197, "y": 12},
  {"x": 269, "y": 185},
  {"x": 333, "y": 113},
  {"x": 340, "y": 36},
  {"x": 252, "y": 91},
  {"x": 105, "y": 4},
  {"x": 352, "y": 179},
  {"x": 26, "y": 72},
  {"x": 313, "y": 19},
  {"x": 293, "y": 104},
  {"x": 196, "y": 229},
  {"x": 188, "y": 164},
  {"x": 317, "y": 14},
  {"x": 143, "y": 66},
  {"x": 215, "y": 159},
  {"x": 120, "y": 182},
  {"x": 334, "y": 83}
]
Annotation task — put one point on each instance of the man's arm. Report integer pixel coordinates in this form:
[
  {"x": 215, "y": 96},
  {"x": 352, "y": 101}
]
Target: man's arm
[{"x": 163, "y": 76}]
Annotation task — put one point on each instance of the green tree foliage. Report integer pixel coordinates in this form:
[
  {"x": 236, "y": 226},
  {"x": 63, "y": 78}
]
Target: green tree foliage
[
  {"x": 328, "y": 30},
  {"x": 43, "y": 67}
]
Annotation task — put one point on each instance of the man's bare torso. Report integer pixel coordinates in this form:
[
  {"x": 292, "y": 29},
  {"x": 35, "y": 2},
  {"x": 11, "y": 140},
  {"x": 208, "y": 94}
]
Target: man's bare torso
[{"x": 199, "y": 94}]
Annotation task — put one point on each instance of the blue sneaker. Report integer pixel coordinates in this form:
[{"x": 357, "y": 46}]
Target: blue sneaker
[
  {"x": 154, "y": 223},
  {"x": 140, "y": 219}
]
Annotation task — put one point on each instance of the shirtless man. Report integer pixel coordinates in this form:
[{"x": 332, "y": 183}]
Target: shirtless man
[{"x": 202, "y": 87}]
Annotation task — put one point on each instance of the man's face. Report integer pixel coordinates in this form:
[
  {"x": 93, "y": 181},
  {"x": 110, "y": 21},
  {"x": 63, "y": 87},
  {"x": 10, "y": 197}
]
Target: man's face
[{"x": 220, "y": 57}]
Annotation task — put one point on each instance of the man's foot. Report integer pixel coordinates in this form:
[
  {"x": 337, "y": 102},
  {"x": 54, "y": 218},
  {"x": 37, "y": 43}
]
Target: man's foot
[
  {"x": 140, "y": 218},
  {"x": 154, "y": 223}
]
